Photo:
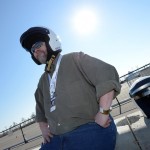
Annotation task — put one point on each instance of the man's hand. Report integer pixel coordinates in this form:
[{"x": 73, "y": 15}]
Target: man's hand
[
  {"x": 45, "y": 132},
  {"x": 102, "y": 119}
]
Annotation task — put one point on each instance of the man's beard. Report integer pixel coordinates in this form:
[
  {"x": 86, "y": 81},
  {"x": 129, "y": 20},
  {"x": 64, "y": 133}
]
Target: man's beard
[{"x": 42, "y": 58}]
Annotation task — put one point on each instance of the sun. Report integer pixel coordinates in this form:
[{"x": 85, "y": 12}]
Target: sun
[{"x": 84, "y": 21}]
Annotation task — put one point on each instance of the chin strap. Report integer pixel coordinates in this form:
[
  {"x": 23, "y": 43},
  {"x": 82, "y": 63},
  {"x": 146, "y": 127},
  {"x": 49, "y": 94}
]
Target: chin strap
[{"x": 49, "y": 63}]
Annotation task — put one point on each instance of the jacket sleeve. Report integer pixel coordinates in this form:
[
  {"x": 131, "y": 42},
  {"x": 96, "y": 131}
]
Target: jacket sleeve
[
  {"x": 103, "y": 76},
  {"x": 40, "y": 113}
]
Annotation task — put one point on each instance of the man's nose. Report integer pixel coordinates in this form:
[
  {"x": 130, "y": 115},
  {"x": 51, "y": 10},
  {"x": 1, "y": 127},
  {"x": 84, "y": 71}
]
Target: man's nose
[{"x": 36, "y": 50}]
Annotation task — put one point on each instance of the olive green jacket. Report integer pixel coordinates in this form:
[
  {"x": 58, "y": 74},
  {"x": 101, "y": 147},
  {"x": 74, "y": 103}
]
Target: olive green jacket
[{"x": 81, "y": 81}]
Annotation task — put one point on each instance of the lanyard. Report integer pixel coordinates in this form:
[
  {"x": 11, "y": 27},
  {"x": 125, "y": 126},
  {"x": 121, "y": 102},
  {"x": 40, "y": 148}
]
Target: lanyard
[{"x": 52, "y": 84}]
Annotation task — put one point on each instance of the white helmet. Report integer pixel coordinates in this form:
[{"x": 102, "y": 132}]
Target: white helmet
[{"x": 34, "y": 34}]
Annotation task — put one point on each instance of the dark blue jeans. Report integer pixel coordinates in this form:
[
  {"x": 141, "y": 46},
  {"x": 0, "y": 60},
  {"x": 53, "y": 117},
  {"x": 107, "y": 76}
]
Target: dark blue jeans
[{"x": 90, "y": 136}]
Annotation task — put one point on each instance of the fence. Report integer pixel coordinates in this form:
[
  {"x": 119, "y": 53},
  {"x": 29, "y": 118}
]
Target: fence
[{"x": 20, "y": 134}]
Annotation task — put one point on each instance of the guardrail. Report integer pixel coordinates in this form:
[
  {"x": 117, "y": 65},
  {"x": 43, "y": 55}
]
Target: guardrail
[
  {"x": 24, "y": 142},
  {"x": 122, "y": 99}
]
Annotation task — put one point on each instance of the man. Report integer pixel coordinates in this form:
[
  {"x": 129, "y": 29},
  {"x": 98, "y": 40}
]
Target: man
[{"x": 74, "y": 95}]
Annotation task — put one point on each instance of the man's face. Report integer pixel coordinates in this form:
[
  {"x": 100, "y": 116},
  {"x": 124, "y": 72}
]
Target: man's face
[{"x": 39, "y": 51}]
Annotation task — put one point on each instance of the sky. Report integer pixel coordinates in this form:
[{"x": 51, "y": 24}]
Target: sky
[{"x": 115, "y": 31}]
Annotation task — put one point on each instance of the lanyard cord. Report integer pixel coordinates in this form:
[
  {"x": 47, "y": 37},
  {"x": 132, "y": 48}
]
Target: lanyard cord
[
  {"x": 50, "y": 62},
  {"x": 52, "y": 81}
]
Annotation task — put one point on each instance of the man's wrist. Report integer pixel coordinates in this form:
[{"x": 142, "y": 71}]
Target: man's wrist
[{"x": 105, "y": 111}]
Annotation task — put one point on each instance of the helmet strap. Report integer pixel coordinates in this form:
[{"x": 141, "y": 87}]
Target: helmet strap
[{"x": 35, "y": 60}]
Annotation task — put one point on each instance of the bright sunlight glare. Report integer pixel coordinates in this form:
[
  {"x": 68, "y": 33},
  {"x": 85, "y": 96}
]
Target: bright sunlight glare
[{"x": 85, "y": 21}]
